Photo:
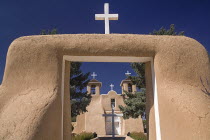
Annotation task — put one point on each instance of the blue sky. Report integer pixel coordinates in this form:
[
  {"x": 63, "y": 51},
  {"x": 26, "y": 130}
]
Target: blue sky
[{"x": 23, "y": 18}]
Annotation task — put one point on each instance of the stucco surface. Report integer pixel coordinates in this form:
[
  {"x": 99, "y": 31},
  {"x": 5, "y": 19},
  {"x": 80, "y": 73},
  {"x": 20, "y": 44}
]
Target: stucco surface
[
  {"x": 94, "y": 121},
  {"x": 30, "y": 94},
  {"x": 151, "y": 132}
]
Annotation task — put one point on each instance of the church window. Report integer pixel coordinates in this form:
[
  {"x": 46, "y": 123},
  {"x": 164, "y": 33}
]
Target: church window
[
  {"x": 130, "y": 88},
  {"x": 112, "y": 102},
  {"x": 93, "y": 89}
]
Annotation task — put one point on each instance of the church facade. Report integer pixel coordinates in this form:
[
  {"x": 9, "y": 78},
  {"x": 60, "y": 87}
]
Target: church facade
[{"x": 104, "y": 116}]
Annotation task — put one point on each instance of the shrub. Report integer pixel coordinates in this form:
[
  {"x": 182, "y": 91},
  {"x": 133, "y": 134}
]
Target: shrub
[
  {"x": 138, "y": 136},
  {"x": 83, "y": 136}
]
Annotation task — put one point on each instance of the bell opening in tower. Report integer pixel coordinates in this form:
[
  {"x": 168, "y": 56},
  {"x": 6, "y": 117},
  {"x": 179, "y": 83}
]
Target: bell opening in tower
[
  {"x": 130, "y": 88},
  {"x": 93, "y": 89}
]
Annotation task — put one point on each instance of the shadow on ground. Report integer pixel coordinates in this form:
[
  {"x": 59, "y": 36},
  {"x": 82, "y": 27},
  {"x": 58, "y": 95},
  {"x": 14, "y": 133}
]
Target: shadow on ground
[{"x": 110, "y": 138}]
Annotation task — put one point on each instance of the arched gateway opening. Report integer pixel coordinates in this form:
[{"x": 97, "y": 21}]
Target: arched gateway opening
[{"x": 34, "y": 103}]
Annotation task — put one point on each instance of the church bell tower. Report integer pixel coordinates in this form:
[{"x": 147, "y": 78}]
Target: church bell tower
[
  {"x": 94, "y": 86},
  {"x": 127, "y": 84}
]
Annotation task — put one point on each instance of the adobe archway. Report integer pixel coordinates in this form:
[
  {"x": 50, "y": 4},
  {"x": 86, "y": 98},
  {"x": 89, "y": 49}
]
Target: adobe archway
[{"x": 30, "y": 105}]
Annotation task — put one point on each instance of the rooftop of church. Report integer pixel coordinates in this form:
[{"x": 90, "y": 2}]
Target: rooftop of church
[{"x": 94, "y": 82}]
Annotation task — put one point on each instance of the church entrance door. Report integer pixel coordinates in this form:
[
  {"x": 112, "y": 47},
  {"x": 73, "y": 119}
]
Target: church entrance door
[
  {"x": 117, "y": 125},
  {"x": 109, "y": 125}
]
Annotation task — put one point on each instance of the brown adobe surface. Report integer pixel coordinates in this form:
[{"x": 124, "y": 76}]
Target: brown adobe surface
[{"x": 30, "y": 101}]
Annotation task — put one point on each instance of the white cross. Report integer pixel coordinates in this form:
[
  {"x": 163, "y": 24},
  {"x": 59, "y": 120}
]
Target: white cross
[
  {"x": 94, "y": 75},
  {"x": 111, "y": 86},
  {"x": 106, "y": 16},
  {"x": 127, "y": 74}
]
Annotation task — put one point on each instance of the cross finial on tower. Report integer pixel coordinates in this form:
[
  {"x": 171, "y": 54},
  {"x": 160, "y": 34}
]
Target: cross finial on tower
[
  {"x": 112, "y": 86},
  {"x": 106, "y": 16},
  {"x": 127, "y": 74},
  {"x": 94, "y": 75}
]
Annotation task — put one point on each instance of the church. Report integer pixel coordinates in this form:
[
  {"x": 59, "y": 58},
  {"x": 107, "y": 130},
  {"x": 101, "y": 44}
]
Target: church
[{"x": 104, "y": 116}]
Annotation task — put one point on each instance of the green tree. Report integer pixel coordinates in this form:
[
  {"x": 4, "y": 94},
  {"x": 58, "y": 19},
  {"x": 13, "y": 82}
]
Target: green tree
[
  {"x": 49, "y": 32},
  {"x": 170, "y": 31},
  {"x": 78, "y": 81},
  {"x": 135, "y": 103},
  {"x": 139, "y": 79}
]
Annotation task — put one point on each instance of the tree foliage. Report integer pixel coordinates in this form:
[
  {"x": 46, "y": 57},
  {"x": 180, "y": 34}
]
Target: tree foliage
[
  {"x": 49, "y": 32},
  {"x": 135, "y": 104},
  {"x": 139, "y": 79},
  {"x": 78, "y": 81},
  {"x": 170, "y": 31}
]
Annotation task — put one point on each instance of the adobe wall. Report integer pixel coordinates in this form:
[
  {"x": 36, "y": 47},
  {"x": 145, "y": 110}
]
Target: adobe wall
[
  {"x": 133, "y": 125},
  {"x": 150, "y": 123},
  {"x": 30, "y": 94},
  {"x": 106, "y": 100},
  {"x": 80, "y": 124},
  {"x": 94, "y": 120}
]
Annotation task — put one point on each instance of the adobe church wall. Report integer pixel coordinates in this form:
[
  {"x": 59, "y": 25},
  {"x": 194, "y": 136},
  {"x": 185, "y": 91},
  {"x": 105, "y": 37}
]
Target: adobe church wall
[
  {"x": 131, "y": 125},
  {"x": 94, "y": 120},
  {"x": 106, "y": 100},
  {"x": 80, "y": 124},
  {"x": 31, "y": 87}
]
